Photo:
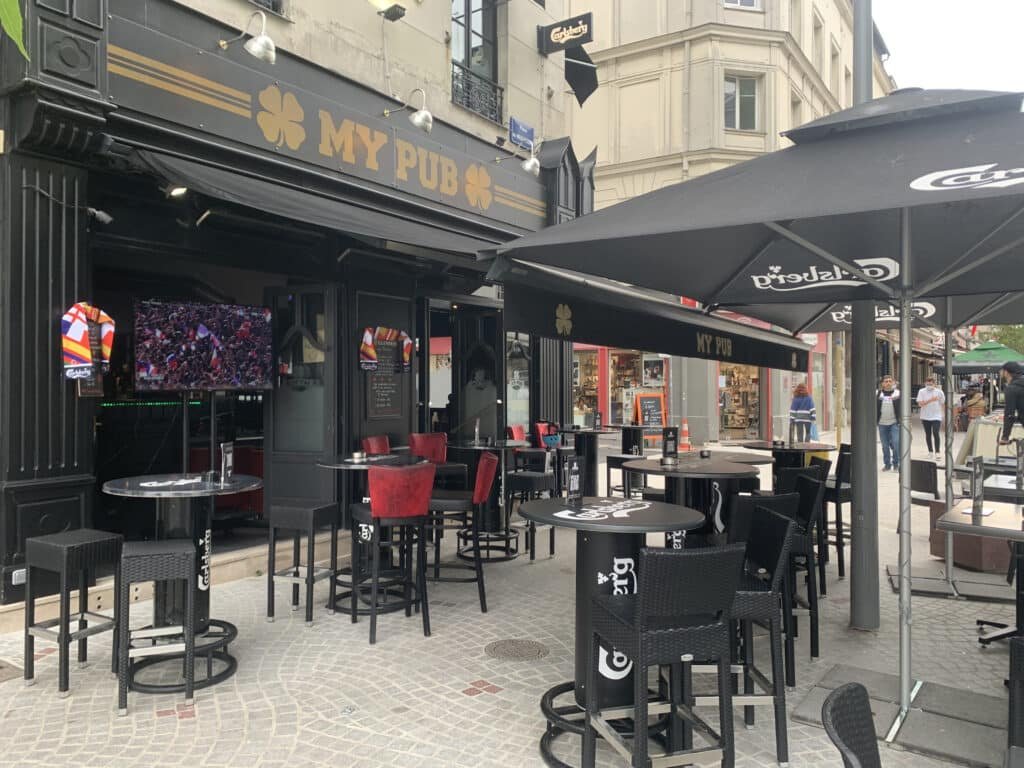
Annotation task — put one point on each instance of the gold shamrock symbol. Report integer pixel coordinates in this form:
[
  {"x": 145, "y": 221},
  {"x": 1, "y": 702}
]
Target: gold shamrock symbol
[
  {"x": 563, "y": 319},
  {"x": 281, "y": 118},
  {"x": 478, "y": 187}
]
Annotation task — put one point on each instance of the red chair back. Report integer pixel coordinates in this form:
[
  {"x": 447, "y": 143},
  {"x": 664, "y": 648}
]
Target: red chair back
[
  {"x": 376, "y": 445},
  {"x": 485, "y": 471},
  {"x": 542, "y": 428},
  {"x": 432, "y": 446},
  {"x": 516, "y": 432},
  {"x": 401, "y": 491}
]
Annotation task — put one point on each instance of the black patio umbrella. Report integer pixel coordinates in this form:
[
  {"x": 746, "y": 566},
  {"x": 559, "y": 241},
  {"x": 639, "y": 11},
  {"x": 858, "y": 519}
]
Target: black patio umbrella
[{"x": 916, "y": 195}]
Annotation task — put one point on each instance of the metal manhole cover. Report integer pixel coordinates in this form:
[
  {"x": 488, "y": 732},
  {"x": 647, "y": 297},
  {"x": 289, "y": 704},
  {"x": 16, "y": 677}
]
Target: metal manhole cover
[{"x": 516, "y": 650}]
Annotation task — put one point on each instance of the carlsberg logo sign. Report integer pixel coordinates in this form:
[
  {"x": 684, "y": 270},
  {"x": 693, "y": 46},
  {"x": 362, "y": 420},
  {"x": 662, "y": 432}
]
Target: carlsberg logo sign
[
  {"x": 973, "y": 177},
  {"x": 776, "y": 279}
]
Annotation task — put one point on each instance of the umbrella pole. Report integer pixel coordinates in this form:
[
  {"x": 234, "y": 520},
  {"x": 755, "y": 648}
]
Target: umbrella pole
[
  {"x": 906, "y": 440},
  {"x": 948, "y": 387}
]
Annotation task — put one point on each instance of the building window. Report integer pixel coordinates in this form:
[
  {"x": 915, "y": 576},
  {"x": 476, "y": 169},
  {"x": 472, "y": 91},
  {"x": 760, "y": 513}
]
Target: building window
[
  {"x": 796, "y": 20},
  {"x": 818, "y": 43},
  {"x": 475, "y": 58},
  {"x": 833, "y": 72},
  {"x": 274, "y": 6},
  {"x": 753, "y": 5},
  {"x": 741, "y": 103}
]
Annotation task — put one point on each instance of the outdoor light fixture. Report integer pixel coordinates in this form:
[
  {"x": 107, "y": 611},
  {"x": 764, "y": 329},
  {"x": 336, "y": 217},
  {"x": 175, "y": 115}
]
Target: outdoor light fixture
[
  {"x": 388, "y": 10},
  {"x": 421, "y": 118},
  {"x": 174, "y": 190},
  {"x": 101, "y": 216},
  {"x": 531, "y": 164},
  {"x": 260, "y": 46}
]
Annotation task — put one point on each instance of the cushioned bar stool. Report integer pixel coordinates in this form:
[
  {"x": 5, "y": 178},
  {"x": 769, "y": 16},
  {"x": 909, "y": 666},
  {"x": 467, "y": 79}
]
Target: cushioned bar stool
[
  {"x": 73, "y": 556},
  {"x": 399, "y": 499},
  {"x": 302, "y": 521},
  {"x": 376, "y": 445},
  {"x": 668, "y": 622},
  {"x": 144, "y": 561},
  {"x": 462, "y": 510},
  {"x": 433, "y": 446}
]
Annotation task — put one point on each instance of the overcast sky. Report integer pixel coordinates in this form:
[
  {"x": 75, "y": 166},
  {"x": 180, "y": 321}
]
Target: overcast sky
[{"x": 954, "y": 43}]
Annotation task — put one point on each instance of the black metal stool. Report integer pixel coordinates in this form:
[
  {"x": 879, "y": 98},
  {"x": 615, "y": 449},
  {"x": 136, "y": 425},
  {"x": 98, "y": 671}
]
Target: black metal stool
[
  {"x": 615, "y": 461},
  {"x": 302, "y": 520},
  {"x": 71, "y": 553},
  {"x": 1015, "y": 733},
  {"x": 144, "y": 561},
  {"x": 530, "y": 484}
]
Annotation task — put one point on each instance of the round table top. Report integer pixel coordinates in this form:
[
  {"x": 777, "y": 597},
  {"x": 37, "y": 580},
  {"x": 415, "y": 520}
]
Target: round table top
[
  {"x": 1003, "y": 488},
  {"x": 179, "y": 486},
  {"x": 497, "y": 445},
  {"x": 377, "y": 460},
  {"x": 766, "y": 445},
  {"x": 738, "y": 457},
  {"x": 698, "y": 469},
  {"x": 586, "y": 431},
  {"x": 606, "y": 515}
]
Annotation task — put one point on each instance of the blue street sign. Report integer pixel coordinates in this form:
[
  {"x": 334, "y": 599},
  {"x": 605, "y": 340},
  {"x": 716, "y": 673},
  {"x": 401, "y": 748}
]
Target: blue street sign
[{"x": 520, "y": 134}]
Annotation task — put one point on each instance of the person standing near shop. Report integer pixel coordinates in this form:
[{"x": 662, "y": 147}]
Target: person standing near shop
[
  {"x": 1012, "y": 376},
  {"x": 888, "y": 400},
  {"x": 802, "y": 413},
  {"x": 932, "y": 402}
]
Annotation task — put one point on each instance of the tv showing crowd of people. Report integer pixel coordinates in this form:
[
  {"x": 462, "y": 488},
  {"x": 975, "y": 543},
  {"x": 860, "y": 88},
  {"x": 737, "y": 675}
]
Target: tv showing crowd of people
[{"x": 192, "y": 347}]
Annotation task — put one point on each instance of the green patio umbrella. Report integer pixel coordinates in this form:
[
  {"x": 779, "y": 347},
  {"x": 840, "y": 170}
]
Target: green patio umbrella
[{"x": 984, "y": 358}]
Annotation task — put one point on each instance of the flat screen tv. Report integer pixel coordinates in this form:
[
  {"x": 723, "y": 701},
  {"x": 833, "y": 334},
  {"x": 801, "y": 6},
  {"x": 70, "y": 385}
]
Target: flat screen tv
[{"x": 183, "y": 347}]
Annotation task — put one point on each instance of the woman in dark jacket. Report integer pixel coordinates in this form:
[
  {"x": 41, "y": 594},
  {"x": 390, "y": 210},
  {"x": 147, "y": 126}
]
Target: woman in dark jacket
[{"x": 802, "y": 413}]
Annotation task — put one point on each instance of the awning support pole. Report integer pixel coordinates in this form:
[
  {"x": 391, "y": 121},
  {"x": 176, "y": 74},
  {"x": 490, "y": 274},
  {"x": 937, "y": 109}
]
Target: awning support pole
[
  {"x": 948, "y": 387},
  {"x": 906, "y": 441},
  {"x": 820, "y": 252}
]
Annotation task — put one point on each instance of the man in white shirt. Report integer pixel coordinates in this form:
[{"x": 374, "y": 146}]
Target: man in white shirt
[{"x": 932, "y": 402}]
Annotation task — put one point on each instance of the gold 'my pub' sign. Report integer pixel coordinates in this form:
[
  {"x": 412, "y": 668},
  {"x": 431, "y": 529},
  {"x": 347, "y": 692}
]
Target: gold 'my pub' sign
[{"x": 159, "y": 76}]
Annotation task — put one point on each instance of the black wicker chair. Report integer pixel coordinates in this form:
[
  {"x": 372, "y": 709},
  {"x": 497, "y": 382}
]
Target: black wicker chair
[
  {"x": 802, "y": 556},
  {"x": 668, "y": 622},
  {"x": 846, "y": 715},
  {"x": 785, "y": 482},
  {"x": 530, "y": 479},
  {"x": 839, "y": 491},
  {"x": 759, "y": 599}
]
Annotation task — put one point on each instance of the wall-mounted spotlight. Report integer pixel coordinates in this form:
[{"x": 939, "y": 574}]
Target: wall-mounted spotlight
[
  {"x": 176, "y": 191},
  {"x": 101, "y": 216},
  {"x": 421, "y": 118},
  {"x": 389, "y": 10},
  {"x": 531, "y": 164},
  {"x": 260, "y": 46}
]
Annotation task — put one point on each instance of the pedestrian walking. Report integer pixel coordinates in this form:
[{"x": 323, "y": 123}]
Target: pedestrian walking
[
  {"x": 1012, "y": 376},
  {"x": 802, "y": 413},
  {"x": 932, "y": 402},
  {"x": 888, "y": 401}
]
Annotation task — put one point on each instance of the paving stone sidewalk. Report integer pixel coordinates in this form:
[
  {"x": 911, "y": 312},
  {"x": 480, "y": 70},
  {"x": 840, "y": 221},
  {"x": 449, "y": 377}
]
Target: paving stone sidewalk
[{"x": 323, "y": 696}]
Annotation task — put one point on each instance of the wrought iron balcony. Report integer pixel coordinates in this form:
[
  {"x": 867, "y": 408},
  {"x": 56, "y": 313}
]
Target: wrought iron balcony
[{"x": 476, "y": 93}]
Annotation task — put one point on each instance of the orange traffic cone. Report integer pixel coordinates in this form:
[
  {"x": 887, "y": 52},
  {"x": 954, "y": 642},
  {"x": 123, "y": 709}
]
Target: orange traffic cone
[{"x": 684, "y": 438}]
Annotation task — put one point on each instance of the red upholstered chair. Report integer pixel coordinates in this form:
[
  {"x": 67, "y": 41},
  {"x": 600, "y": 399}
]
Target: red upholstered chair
[
  {"x": 433, "y": 446},
  {"x": 542, "y": 429},
  {"x": 515, "y": 432},
  {"x": 452, "y": 510},
  {"x": 376, "y": 445},
  {"x": 399, "y": 499}
]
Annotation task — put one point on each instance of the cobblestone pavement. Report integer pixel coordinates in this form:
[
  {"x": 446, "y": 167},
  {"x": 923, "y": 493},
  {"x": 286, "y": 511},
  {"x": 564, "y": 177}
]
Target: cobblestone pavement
[{"x": 323, "y": 696}]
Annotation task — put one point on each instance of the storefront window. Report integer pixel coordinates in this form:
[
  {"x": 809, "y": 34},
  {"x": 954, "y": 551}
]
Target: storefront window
[
  {"x": 517, "y": 371},
  {"x": 584, "y": 385},
  {"x": 299, "y": 398},
  {"x": 626, "y": 378},
  {"x": 739, "y": 400}
]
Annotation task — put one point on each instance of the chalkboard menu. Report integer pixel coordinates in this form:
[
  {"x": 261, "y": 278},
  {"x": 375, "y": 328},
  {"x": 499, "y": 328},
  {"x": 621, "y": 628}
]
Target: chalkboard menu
[
  {"x": 650, "y": 410},
  {"x": 384, "y": 383}
]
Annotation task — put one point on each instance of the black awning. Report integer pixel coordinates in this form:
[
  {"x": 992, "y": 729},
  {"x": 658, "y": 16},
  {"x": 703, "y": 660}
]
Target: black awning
[
  {"x": 580, "y": 73},
  {"x": 567, "y": 306},
  {"x": 309, "y": 206}
]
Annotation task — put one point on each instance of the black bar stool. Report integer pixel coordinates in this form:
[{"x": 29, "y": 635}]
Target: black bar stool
[
  {"x": 71, "y": 555},
  {"x": 1015, "y": 733},
  {"x": 669, "y": 623},
  {"x": 303, "y": 520},
  {"x": 144, "y": 561}
]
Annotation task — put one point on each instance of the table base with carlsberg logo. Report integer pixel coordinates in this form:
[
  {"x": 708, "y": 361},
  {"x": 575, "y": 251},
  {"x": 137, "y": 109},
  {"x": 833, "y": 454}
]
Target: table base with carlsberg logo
[
  {"x": 609, "y": 535},
  {"x": 179, "y": 516}
]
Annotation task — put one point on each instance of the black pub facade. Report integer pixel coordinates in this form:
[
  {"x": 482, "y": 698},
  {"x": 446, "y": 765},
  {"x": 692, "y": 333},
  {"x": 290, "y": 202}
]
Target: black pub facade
[{"x": 139, "y": 161}]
